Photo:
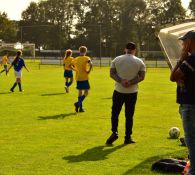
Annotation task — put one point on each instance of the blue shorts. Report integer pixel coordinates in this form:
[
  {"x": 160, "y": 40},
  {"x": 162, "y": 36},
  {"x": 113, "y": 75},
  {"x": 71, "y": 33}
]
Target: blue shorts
[
  {"x": 68, "y": 73},
  {"x": 82, "y": 85}
]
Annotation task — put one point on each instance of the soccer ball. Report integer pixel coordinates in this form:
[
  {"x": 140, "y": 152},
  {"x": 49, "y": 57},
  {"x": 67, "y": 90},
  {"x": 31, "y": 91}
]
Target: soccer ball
[{"x": 174, "y": 133}]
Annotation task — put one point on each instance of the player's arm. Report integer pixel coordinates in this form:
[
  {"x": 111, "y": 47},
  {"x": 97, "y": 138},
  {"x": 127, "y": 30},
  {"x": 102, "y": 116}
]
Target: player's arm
[
  {"x": 90, "y": 66},
  {"x": 72, "y": 66},
  {"x": 26, "y": 68},
  {"x": 63, "y": 63},
  {"x": 138, "y": 78}
]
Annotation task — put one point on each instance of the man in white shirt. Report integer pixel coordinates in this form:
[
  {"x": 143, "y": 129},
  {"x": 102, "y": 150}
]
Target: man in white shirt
[{"x": 127, "y": 70}]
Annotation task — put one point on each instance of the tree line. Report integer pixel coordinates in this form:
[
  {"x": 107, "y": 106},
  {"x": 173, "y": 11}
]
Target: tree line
[{"x": 103, "y": 26}]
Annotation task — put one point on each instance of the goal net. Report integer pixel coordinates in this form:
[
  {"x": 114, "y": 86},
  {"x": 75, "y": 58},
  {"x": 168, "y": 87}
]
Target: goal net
[{"x": 28, "y": 49}]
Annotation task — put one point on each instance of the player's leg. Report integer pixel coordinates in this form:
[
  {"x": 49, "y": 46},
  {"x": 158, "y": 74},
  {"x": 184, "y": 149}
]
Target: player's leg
[
  {"x": 66, "y": 84},
  {"x": 13, "y": 87},
  {"x": 76, "y": 104},
  {"x": 71, "y": 81},
  {"x": 70, "y": 76},
  {"x": 117, "y": 103},
  {"x": 130, "y": 101},
  {"x": 82, "y": 99},
  {"x": 18, "y": 79},
  {"x": 16, "y": 82},
  {"x": 6, "y": 69},
  {"x": 3, "y": 69},
  {"x": 19, "y": 84},
  {"x": 85, "y": 87}
]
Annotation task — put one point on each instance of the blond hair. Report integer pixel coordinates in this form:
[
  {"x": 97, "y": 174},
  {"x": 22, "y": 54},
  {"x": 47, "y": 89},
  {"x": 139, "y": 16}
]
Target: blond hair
[
  {"x": 68, "y": 53},
  {"x": 83, "y": 49}
]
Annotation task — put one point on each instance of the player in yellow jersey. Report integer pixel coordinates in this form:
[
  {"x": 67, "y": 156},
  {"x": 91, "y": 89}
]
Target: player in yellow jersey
[
  {"x": 68, "y": 75},
  {"x": 4, "y": 63},
  {"x": 82, "y": 65}
]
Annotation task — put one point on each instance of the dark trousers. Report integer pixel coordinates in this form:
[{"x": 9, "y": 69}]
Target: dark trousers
[{"x": 118, "y": 99}]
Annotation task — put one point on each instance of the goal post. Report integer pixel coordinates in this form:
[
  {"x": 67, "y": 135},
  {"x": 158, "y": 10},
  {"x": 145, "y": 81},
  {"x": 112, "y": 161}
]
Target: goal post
[{"x": 28, "y": 49}]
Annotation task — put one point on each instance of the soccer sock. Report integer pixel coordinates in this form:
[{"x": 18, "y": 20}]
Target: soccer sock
[
  {"x": 80, "y": 101},
  {"x": 81, "y": 106},
  {"x": 20, "y": 87},
  {"x": 83, "y": 97},
  {"x": 15, "y": 84},
  {"x": 69, "y": 83},
  {"x": 66, "y": 84}
]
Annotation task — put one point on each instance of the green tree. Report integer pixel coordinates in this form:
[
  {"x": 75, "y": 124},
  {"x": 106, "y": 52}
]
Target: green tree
[
  {"x": 8, "y": 29},
  {"x": 192, "y": 8},
  {"x": 56, "y": 17},
  {"x": 166, "y": 12},
  {"x": 158, "y": 15}
]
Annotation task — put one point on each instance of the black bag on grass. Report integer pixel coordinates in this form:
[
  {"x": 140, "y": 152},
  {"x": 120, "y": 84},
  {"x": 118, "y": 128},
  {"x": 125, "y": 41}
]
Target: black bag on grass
[{"x": 169, "y": 165}]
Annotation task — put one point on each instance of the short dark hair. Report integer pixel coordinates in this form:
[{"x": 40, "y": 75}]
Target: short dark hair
[
  {"x": 18, "y": 53},
  {"x": 130, "y": 46}
]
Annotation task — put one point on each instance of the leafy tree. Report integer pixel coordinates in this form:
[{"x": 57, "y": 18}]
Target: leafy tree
[
  {"x": 192, "y": 8},
  {"x": 103, "y": 26},
  {"x": 167, "y": 11},
  {"x": 55, "y": 17},
  {"x": 8, "y": 29}
]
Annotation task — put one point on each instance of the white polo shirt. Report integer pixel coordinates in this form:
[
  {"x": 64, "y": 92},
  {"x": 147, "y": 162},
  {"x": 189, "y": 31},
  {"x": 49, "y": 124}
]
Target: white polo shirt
[{"x": 127, "y": 67}]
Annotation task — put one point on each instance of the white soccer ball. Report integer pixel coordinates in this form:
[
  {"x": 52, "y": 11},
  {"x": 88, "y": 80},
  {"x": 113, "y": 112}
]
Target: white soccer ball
[{"x": 174, "y": 133}]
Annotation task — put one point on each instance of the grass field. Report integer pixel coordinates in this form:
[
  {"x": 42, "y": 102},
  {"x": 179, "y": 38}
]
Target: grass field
[{"x": 41, "y": 135}]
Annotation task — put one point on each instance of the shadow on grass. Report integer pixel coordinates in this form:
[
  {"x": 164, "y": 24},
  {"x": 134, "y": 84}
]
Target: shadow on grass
[
  {"x": 54, "y": 117},
  {"x": 147, "y": 163},
  {"x": 5, "y": 93},
  {"x": 52, "y": 94},
  {"x": 93, "y": 154}
]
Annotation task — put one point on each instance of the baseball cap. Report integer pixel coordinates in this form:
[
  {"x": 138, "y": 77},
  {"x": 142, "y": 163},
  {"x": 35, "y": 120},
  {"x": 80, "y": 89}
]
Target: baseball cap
[
  {"x": 130, "y": 46},
  {"x": 188, "y": 35}
]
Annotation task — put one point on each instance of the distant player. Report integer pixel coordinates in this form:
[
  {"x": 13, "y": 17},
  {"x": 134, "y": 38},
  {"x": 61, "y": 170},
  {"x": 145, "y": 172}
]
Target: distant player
[
  {"x": 4, "y": 63},
  {"x": 68, "y": 75},
  {"x": 82, "y": 65},
  {"x": 18, "y": 63}
]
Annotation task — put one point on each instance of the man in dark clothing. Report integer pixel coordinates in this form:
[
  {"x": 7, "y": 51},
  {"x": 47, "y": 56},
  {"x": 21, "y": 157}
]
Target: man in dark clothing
[{"x": 184, "y": 75}]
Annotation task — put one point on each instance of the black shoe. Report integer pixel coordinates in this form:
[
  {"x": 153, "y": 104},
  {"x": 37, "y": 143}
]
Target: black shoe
[
  {"x": 128, "y": 141},
  {"x": 11, "y": 90},
  {"x": 112, "y": 138},
  {"x": 81, "y": 110},
  {"x": 76, "y": 107}
]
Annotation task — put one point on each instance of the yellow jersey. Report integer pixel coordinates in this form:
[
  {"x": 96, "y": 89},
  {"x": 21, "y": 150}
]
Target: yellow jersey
[
  {"x": 5, "y": 60},
  {"x": 67, "y": 63},
  {"x": 81, "y": 66}
]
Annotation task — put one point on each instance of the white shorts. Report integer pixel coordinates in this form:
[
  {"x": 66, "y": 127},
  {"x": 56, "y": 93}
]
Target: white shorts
[{"x": 18, "y": 74}]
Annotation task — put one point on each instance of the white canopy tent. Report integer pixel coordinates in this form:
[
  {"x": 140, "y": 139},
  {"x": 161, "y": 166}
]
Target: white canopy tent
[{"x": 169, "y": 41}]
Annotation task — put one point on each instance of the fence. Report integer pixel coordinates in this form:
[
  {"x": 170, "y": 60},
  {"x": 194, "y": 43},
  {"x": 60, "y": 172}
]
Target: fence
[{"x": 155, "y": 63}]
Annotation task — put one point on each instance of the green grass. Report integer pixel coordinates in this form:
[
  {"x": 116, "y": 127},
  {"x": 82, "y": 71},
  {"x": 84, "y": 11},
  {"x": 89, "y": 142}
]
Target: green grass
[{"x": 41, "y": 135}]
